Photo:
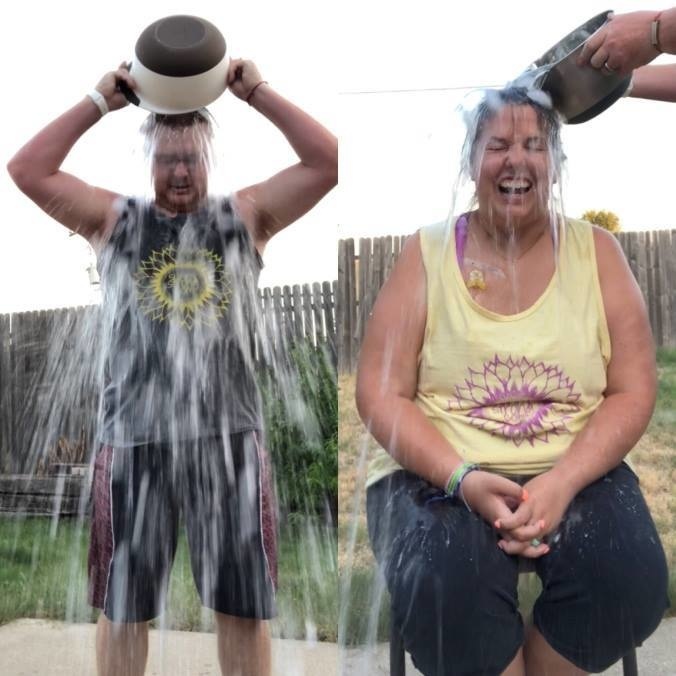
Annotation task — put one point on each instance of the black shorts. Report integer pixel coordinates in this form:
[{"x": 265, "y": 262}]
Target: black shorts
[
  {"x": 454, "y": 592},
  {"x": 222, "y": 487}
]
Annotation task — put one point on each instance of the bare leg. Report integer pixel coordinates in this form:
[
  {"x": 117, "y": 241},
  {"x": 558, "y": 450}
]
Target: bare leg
[
  {"x": 243, "y": 646},
  {"x": 516, "y": 668},
  {"x": 542, "y": 660},
  {"x": 121, "y": 648}
]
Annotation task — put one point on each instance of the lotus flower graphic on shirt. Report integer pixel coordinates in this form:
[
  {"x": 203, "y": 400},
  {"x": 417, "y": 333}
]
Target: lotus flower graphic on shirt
[{"x": 517, "y": 399}]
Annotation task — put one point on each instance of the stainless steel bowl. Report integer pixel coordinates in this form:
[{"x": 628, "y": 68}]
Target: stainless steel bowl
[{"x": 578, "y": 93}]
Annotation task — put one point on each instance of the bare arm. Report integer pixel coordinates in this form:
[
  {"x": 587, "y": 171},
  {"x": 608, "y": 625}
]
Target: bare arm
[
  {"x": 387, "y": 375},
  {"x": 36, "y": 168},
  {"x": 655, "y": 82},
  {"x": 387, "y": 381},
  {"x": 629, "y": 399},
  {"x": 271, "y": 205}
]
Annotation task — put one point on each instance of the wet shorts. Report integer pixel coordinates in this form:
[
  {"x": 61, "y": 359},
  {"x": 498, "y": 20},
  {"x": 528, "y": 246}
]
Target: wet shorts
[
  {"x": 222, "y": 489},
  {"x": 454, "y": 592}
]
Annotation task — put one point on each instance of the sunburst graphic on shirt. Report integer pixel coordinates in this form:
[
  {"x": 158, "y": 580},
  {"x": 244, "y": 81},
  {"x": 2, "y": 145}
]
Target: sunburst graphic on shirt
[
  {"x": 518, "y": 399},
  {"x": 190, "y": 289}
]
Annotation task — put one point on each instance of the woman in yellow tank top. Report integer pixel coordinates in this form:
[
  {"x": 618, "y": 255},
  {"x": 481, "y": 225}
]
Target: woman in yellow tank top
[{"x": 507, "y": 369}]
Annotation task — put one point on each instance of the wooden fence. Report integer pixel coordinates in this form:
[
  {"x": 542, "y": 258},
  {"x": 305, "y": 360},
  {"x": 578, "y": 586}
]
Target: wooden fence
[
  {"x": 651, "y": 256},
  {"x": 29, "y": 364}
]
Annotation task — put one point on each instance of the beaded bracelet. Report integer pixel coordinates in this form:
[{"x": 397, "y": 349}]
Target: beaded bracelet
[{"x": 455, "y": 480}]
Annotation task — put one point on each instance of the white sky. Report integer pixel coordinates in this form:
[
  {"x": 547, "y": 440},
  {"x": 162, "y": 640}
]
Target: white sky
[{"x": 398, "y": 152}]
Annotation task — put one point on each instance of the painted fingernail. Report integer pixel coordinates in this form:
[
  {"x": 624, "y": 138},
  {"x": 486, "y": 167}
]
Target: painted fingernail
[
  {"x": 498, "y": 523},
  {"x": 524, "y": 495},
  {"x": 546, "y": 550}
]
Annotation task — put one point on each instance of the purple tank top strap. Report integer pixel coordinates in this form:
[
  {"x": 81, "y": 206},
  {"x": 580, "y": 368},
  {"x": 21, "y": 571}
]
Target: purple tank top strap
[{"x": 461, "y": 226}]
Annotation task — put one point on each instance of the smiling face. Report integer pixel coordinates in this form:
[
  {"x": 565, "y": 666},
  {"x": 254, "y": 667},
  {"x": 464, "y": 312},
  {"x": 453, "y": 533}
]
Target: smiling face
[
  {"x": 511, "y": 167},
  {"x": 179, "y": 169}
]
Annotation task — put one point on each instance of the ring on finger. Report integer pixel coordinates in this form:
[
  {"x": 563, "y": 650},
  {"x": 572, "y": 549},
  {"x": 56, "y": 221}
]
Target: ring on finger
[{"x": 535, "y": 542}]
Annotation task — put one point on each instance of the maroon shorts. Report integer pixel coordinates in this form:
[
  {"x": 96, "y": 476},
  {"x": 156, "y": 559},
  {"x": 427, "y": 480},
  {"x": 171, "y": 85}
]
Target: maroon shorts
[{"x": 222, "y": 488}]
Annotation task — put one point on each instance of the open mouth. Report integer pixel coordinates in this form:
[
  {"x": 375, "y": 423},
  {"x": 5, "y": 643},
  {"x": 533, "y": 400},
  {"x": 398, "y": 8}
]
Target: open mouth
[{"x": 511, "y": 187}]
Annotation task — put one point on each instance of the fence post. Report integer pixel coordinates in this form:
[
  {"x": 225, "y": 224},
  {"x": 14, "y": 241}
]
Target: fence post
[
  {"x": 346, "y": 305},
  {"x": 6, "y": 392}
]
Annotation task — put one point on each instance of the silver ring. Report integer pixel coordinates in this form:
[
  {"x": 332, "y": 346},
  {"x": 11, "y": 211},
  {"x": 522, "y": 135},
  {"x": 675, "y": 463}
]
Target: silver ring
[
  {"x": 608, "y": 68},
  {"x": 535, "y": 542}
]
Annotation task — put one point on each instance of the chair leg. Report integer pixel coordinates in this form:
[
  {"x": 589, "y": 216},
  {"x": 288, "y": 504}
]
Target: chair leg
[
  {"x": 629, "y": 664},
  {"x": 397, "y": 653}
]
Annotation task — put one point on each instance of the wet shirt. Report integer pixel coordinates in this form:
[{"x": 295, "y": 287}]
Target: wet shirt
[
  {"x": 510, "y": 392},
  {"x": 179, "y": 307}
]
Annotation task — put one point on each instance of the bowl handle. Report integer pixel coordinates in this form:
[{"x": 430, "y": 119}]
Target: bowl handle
[{"x": 128, "y": 93}]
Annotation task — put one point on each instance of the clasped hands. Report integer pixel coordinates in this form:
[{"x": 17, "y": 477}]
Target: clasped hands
[{"x": 522, "y": 515}]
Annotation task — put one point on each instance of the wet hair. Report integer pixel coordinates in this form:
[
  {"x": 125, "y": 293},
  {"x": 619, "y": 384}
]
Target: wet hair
[
  {"x": 201, "y": 122},
  {"x": 492, "y": 101}
]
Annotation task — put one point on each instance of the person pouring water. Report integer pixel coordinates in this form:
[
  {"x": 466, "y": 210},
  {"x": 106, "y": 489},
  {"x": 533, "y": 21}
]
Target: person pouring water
[
  {"x": 628, "y": 42},
  {"x": 180, "y": 417}
]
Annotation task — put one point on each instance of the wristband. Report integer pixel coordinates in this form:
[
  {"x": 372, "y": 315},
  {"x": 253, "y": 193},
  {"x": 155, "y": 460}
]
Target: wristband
[
  {"x": 97, "y": 97},
  {"x": 655, "y": 33},
  {"x": 255, "y": 87},
  {"x": 454, "y": 481}
]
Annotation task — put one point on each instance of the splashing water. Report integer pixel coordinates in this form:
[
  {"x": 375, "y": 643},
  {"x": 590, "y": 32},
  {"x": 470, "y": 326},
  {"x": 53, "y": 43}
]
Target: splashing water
[{"x": 179, "y": 355}]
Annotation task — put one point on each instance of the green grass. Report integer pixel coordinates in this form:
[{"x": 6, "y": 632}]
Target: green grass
[
  {"x": 43, "y": 574},
  {"x": 664, "y": 418}
]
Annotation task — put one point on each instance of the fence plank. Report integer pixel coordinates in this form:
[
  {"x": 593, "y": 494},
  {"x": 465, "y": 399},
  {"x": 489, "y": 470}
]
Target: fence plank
[
  {"x": 663, "y": 242},
  {"x": 317, "y": 313},
  {"x": 670, "y": 258},
  {"x": 656, "y": 294},
  {"x": 346, "y": 305},
  {"x": 287, "y": 301},
  {"x": 6, "y": 392},
  {"x": 307, "y": 312},
  {"x": 329, "y": 316},
  {"x": 279, "y": 318},
  {"x": 297, "y": 313},
  {"x": 642, "y": 263},
  {"x": 364, "y": 267}
]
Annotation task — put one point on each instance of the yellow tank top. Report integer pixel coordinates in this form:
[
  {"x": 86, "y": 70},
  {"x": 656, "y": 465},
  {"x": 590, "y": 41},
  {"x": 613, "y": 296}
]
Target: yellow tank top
[{"x": 510, "y": 392}]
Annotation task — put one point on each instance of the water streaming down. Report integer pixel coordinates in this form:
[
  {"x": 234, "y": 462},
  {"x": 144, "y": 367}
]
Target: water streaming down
[
  {"x": 360, "y": 634},
  {"x": 178, "y": 357}
]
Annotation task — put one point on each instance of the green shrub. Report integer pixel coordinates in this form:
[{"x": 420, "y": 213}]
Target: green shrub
[{"x": 300, "y": 400}]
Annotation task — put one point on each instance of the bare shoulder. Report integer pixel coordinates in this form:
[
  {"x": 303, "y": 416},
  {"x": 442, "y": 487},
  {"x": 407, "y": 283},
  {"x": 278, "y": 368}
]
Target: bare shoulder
[
  {"x": 402, "y": 299},
  {"x": 244, "y": 206},
  {"x": 395, "y": 331},
  {"x": 611, "y": 262},
  {"x": 622, "y": 298},
  {"x": 410, "y": 261},
  {"x": 114, "y": 206}
]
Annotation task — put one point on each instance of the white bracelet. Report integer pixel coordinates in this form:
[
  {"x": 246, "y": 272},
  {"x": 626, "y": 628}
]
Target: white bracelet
[
  {"x": 97, "y": 97},
  {"x": 629, "y": 88},
  {"x": 655, "y": 33}
]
